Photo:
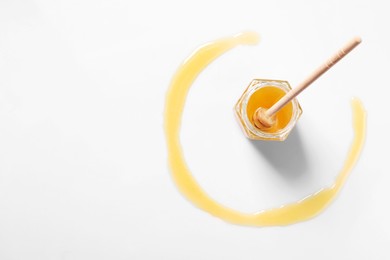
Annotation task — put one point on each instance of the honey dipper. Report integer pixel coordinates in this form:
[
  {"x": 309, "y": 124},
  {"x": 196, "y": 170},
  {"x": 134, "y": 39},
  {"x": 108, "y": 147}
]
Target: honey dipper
[{"x": 265, "y": 118}]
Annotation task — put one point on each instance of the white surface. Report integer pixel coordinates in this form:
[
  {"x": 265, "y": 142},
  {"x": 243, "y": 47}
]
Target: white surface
[{"x": 83, "y": 163}]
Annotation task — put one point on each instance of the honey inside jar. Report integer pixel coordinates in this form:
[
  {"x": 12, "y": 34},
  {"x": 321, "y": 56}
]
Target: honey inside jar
[{"x": 265, "y": 97}]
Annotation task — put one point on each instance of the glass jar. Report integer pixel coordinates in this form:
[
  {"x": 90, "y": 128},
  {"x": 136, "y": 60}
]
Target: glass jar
[{"x": 264, "y": 93}]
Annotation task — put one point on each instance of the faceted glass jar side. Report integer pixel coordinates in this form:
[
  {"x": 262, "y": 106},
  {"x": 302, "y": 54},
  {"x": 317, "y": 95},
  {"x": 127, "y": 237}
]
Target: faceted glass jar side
[{"x": 250, "y": 130}]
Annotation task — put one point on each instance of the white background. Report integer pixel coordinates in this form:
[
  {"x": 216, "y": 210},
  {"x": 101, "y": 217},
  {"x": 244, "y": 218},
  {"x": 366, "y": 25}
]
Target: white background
[{"x": 83, "y": 162}]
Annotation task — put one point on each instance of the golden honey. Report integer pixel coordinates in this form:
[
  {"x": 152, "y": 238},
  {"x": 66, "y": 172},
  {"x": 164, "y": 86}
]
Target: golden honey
[
  {"x": 282, "y": 215},
  {"x": 265, "y": 98}
]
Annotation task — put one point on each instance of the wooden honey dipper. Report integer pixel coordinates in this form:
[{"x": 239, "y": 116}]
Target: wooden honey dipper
[{"x": 265, "y": 118}]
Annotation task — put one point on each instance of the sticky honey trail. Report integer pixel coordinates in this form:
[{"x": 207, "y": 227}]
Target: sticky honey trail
[{"x": 287, "y": 214}]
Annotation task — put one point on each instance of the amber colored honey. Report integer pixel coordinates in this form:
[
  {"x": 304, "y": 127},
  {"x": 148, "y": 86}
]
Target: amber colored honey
[
  {"x": 265, "y": 97},
  {"x": 287, "y": 214}
]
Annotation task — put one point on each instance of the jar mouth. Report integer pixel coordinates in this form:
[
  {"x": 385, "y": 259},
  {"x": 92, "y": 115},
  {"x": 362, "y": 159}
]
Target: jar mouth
[{"x": 281, "y": 132}]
